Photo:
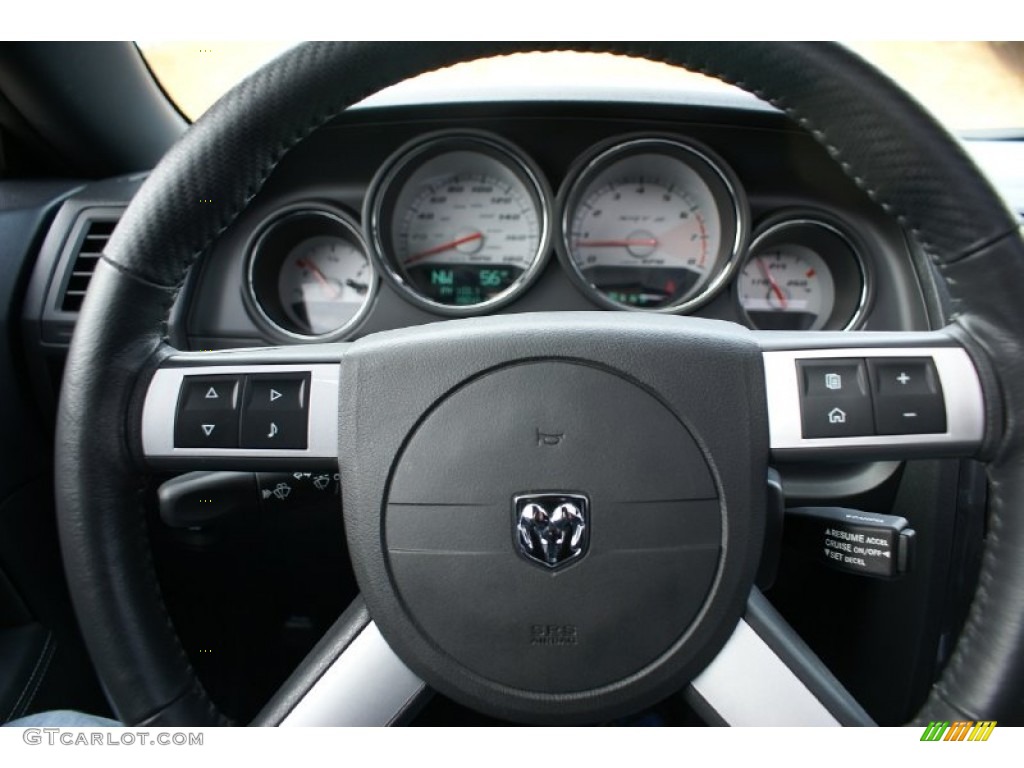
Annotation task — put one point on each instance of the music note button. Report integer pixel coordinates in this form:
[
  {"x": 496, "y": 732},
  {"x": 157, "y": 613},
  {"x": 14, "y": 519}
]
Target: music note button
[{"x": 275, "y": 411}]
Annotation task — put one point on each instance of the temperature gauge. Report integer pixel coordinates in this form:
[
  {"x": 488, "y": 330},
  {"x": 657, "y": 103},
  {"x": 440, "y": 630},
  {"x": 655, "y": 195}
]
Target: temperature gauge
[
  {"x": 802, "y": 275},
  {"x": 787, "y": 288}
]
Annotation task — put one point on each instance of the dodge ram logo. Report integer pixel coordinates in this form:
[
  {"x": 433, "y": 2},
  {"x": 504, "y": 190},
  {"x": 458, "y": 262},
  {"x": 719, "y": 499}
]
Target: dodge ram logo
[{"x": 551, "y": 529}]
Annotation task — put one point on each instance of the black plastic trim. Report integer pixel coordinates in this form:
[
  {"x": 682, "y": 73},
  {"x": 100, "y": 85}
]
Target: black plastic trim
[{"x": 95, "y": 103}]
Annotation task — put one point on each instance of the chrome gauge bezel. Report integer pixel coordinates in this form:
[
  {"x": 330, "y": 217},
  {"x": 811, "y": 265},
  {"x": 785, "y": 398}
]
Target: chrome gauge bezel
[
  {"x": 857, "y": 302},
  {"x": 388, "y": 184},
  {"x": 721, "y": 180},
  {"x": 255, "y": 300}
]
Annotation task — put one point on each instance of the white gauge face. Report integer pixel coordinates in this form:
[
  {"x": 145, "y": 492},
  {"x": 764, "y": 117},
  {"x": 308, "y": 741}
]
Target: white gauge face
[
  {"x": 651, "y": 224},
  {"x": 787, "y": 287},
  {"x": 323, "y": 283},
  {"x": 466, "y": 208},
  {"x": 466, "y": 226},
  {"x": 309, "y": 275}
]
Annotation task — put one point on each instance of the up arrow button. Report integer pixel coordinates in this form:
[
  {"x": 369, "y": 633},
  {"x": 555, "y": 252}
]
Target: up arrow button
[{"x": 208, "y": 412}]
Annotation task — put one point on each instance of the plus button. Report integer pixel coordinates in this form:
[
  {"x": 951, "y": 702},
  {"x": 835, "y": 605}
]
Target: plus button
[{"x": 903, "y": 378}]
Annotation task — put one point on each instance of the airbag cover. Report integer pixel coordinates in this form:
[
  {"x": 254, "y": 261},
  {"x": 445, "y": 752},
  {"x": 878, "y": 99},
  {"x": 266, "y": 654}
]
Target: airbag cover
[{"x": 552, "y": 427}]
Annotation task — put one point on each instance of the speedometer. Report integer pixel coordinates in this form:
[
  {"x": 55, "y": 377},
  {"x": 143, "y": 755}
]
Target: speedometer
[
  {"x": 651, "y": 223},
  {"x": 459, "y": 222}
]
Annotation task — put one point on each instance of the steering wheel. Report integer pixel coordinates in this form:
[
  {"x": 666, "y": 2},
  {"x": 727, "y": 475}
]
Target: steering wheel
[{"x": 434, "y": 430}]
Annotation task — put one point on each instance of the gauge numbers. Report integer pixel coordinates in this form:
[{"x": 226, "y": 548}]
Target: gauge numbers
[
  {"x": 644, "y": 239},
  {"x": 309, "y": 275},
  {"x": 466, "y": 237},
  {"x": 787, "y": 288},
  {"x": 802, "y": 274},
  {"x": 459, "y": 222},
  {"x": 323, "y": 283},
  {"x": 651, "y": 224}
]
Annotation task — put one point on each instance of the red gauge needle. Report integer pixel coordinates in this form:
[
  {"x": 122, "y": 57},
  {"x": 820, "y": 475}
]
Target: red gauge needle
[
  {"x": 444, "y": 247},
  {"x": 771, "y": 281},
  {"x": 329, "y": 288},
  {"x": 648, "y": 241}
]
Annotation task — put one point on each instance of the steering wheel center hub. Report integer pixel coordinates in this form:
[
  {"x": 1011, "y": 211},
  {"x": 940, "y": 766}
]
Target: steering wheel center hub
[
  {"x": 495, "y": 497},
  {"x": 548, "y": 528}
]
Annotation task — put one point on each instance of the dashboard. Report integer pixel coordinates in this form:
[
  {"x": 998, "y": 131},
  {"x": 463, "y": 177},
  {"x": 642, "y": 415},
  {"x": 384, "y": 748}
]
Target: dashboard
[{"x": 398, "y": 216}]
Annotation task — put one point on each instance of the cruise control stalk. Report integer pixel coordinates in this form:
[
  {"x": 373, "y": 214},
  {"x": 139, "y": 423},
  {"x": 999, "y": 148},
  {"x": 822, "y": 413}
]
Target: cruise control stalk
[{"x": 864, "y": 543}]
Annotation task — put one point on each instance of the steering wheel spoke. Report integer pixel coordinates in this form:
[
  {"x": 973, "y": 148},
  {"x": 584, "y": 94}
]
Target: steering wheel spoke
[
  {"x": 834, "y": 397},
  {"x": 351, "y": 678},
  {"x": 244, "y": 409},
  {"x": 765, "y": 675}
]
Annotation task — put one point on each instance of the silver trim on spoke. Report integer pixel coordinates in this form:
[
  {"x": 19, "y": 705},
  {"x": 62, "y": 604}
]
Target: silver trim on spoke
[
  {"x": 961, "y": 388},
  {"x": 158, "y": 413},
  {"x": 749, "y": 685},
  {"x": 368, "y": 685}
]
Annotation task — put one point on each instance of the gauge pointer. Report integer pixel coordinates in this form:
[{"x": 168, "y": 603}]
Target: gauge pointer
[
  {"x": 329, "y": 287},
  {"x": 771, "y": 281},
  {"x": 444, "y": 247}
]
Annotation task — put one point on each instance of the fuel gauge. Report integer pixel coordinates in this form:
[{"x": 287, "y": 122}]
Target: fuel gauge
[
  {"x": 323, "y": 283},
  {"x": 309, "y": 275}
]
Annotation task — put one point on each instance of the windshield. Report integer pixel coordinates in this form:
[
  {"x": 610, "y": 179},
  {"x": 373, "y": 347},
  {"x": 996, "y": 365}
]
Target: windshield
[{"x": 970, "y": 86}]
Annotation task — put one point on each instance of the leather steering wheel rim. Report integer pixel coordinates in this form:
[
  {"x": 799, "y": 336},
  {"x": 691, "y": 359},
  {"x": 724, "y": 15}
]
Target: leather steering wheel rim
[{"x": 880, "y": 137}]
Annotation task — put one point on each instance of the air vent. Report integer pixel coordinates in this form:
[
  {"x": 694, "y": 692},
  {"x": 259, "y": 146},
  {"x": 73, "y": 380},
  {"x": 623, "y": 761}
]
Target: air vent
[{"x": 97, "y": 233}]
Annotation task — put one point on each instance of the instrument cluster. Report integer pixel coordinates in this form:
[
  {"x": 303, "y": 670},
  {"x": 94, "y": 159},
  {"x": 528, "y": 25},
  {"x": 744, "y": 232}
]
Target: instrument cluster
[{"x": 463, "y": 222}]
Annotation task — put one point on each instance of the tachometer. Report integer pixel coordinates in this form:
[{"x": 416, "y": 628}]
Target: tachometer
[
  {"x": 459, "y": 222},
  {"x": 651, "y": 223}
]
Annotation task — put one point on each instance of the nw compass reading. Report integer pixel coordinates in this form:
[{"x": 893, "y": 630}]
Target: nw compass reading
[{"x": 462, "y": 284}]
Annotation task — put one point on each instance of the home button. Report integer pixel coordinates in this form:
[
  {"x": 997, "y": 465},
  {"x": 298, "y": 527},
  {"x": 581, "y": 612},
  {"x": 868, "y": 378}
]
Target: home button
[{"x": 834, "y": 398}]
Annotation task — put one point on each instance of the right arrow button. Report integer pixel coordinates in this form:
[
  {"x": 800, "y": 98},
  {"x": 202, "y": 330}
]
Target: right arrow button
[{"x": 274, "y": 413}]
